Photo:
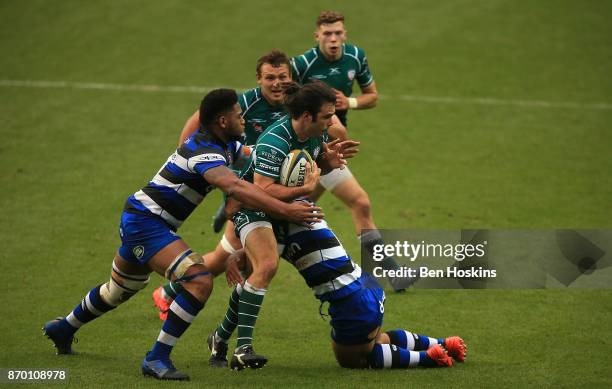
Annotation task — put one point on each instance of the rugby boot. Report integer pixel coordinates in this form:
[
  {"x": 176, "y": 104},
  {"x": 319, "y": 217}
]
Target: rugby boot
[
  {"x": 218, "y": 351},
  {"x": 456, "y": 348},
  {"x": 162, "y": 370},
  {"x": 439, "y": 356},
  {"x": 162, "y": 305},
  {"x": 62, "y": 340},
  {"x": 245, "y": 357}
]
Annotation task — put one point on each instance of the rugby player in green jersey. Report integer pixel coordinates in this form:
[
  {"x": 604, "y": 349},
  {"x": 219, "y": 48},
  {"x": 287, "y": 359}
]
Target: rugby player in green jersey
[
  {"x": 311, "y": 108},
  {"x": 339, "y": 65}
]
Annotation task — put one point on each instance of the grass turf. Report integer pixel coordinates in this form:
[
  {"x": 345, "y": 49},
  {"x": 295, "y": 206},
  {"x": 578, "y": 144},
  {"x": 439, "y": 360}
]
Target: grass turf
[{"x": 70, "y": 157}]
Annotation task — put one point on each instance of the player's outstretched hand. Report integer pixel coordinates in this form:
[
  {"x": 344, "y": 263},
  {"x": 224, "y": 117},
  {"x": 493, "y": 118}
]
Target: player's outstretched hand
[
  {"x": 337, "y": 151},
  {"x": 348, "y": 148},
  {"x": 303, "y": 213}
]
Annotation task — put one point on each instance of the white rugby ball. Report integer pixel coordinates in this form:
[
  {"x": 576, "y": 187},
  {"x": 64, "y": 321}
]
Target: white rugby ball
[{"x": 293, "y": 169}]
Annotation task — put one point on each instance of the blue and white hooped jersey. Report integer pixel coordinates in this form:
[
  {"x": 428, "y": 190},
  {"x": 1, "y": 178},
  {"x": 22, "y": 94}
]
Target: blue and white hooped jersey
[
  {"x": 179, "y": 187},
  {"x": 321, "y": 260}
]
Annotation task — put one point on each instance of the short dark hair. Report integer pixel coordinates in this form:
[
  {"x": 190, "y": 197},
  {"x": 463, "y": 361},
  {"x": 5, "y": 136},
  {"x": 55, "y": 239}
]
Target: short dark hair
[
  {"x": 308, "y": 98},
  {"x": 216, "y": 102},
  {"x": 329, "y": 17},
  {"x": 273, "y": 57}
]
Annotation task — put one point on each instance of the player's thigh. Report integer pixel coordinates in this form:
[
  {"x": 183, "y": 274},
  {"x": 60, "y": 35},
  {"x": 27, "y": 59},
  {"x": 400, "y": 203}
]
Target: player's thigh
[
  {"x": 177, "y": 263},
  {"x": 353, "y": 356},
  {"x": 230, "y": 236},
  {"x": 257, "y": 237},
  {"x": 130, "y": 267},
  {"x": 161, "y": 261},
  {"x": 261, "y": 248},
  {"x": 216, "y": 260}
]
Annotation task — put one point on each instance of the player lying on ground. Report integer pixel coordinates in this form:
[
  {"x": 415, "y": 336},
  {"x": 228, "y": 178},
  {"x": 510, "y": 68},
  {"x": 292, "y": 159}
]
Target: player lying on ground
[
  {"x": 356, "y": 307},
  {"x": 148, "y": 232}
]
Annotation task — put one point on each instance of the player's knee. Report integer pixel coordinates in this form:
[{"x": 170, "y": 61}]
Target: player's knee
[
  {"x": 188, "y": 269},
  {"x": 122, "y": 286},
  {"x": 376, "y": 358},
  {"x": 199, "y": 282},
  {"x": 361, "y": 204},
  {"x": 266, "y": 268},
  {"x": 352, "y": 360}
]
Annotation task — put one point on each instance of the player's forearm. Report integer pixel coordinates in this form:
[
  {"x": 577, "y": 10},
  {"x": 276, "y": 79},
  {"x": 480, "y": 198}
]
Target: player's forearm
[
  {"x": 191, "y": 126},
  {"x": 366, "y": 100},
  {"x": 286, "y": 193},
  {"x": 254, "y": 197}
]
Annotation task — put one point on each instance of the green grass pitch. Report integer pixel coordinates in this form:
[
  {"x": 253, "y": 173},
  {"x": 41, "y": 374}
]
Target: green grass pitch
[{"x": 493, "y": 114}]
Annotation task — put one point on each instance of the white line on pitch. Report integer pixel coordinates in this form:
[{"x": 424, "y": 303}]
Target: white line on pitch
[{"x": 204, "y": 89}]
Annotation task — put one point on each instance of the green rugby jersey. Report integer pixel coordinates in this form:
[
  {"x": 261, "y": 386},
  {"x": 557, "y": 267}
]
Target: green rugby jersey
[
  {"x": 258, "y": 114},
  {"x": 273, "y": 146},
  {"x": 340, "y": 74}
]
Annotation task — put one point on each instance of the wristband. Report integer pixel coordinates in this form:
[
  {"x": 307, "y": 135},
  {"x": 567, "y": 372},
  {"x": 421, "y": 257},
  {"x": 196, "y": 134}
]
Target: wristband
[{"x": 352, "y": 102}]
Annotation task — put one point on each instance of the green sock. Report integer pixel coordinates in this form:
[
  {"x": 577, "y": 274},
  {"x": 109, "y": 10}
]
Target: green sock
[
  {"x": 230, "y": 321},
  {"x": 248, "y": 310},
  {"x": 171, "y": 290}
]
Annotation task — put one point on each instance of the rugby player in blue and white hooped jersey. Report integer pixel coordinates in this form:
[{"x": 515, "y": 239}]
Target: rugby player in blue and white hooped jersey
[
  {"x": 356, "y": 304},
  {"x": 148, "y": 232}
]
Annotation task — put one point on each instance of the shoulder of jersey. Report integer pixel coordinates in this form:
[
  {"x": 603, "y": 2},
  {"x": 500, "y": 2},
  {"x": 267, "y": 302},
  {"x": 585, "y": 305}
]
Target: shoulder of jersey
[
  {"x": 248, "y": 98},
  {"x": 354, "y": 51},
  {"x": 306, "y": 58}
]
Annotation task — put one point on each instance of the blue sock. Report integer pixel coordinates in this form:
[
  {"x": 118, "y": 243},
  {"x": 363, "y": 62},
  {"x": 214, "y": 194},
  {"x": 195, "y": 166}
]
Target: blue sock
[
  {"x": 410, "y": 341},
  {"x": 390, "y": 356},
  {"x": 182, "y": 312},
  {"x": 91, "y": 307}
]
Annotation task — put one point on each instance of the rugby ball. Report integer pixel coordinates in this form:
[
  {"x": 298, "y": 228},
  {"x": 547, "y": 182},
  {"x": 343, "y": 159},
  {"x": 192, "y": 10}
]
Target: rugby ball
[{"x": 293, "y": 169}]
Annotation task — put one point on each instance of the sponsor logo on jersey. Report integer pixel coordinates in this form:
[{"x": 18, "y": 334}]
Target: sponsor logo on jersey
[
  {"x": 138, "y": 252},
  {"x": 273, "y": 155},
  {"x": 275, "y": 169},
  {"x": 292, "y": 249},
  {"x": 240, "y": 219},
  {"x": 277, "y": 115},
  {"x": 351, "y": 74},
  {"x": 315, "y": 152},
  {"x": 333, "y": 71},
  {"x": 211, "y": 157},
  {"x": 318, "y": 77}
]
